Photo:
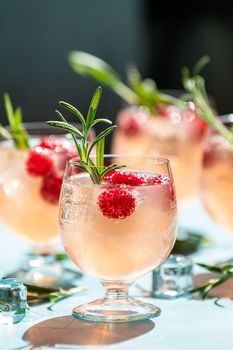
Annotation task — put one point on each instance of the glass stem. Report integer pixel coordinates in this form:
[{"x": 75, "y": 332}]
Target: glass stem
[{"x": 116, "y": 290}]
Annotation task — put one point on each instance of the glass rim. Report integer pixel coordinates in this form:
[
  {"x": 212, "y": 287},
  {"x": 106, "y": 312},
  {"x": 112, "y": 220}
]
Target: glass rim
[
  {"x": 41, "y": 129},
  {"x": 226, "y": 118},
  {"x": 154, "y": 160}
]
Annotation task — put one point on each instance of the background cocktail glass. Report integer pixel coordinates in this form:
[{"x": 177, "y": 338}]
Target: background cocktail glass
[
  {"x": 175, "y": 134},
  {"x": 217, "y": 177},
  {"x": 118, "y": 250},
  {"x": 25, "y": 210}
]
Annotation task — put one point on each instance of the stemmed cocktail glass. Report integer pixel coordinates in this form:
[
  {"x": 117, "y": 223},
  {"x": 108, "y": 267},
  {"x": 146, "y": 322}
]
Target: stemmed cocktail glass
[
  {"x": 30, "y": 184},
  {"x": 217, "y": 176},
  {"x": 119, "y": 230}
]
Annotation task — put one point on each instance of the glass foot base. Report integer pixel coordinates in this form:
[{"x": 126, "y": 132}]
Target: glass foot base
[{"x": 116, "y": 310}]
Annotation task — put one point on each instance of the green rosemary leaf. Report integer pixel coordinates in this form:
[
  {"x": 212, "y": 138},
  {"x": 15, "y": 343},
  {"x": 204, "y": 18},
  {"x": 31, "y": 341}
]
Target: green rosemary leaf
[
  {"x": 75, "y": 111},
  {"x": 216, "y": 302},
  {"x": 93, "y": 107},
  {"x": 58, "y": 113},
  {"x": 60, "y": 256},
  {"x": 91, "y": 169},
  {"x": 80, "y": 166},
  {"x": 212, "y": 283},
  {"x": 196, "y": 87},
  {"x": 9, "y": 111},
  {"x": 18, "y": 117},
  {"x": 103, "y": 134},
  {"x": 38, "y": 289},
  {"x": 18, "y": 134},
  {"x": 228, "y": 269},
  {"x": 87, "y": 64},
  {"x": 5, "y": 133},
  {"x": 100, "y": 155},
  {"x": 62, "y": 294},
  {"x": 111, "y": 168},
  {"x": 200, "y": 64},
  {"x": 224, "y": 275},
  {"x": 101, "y": 120},
  {"x": 188, "y": 244},
  {"x": 139, "y": 91},
  {"x": 65, "y": 126},
  {"x": 210, "y": 268},
  {"x": 83, "y": 148},
  {"x": 97, "y": 69}
]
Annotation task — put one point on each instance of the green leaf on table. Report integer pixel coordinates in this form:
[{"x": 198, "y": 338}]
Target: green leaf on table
[
  {"x": 37, "y": 294},
  {"x": 224, "y": 274},
  {"x": 61, "y": 294},
  {"x": 210, "y": 268},
  {"x": 188, "y": 245}
]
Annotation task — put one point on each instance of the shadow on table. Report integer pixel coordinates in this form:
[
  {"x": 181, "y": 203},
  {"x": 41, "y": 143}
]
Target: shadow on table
[{"x": 68, "y": 330}]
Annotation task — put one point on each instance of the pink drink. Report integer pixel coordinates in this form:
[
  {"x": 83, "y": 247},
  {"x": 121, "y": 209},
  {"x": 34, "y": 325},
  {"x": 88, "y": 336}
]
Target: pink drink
[
  {"x": 113, "y": 248},
  {"x": 29, "y": 202},
  {"x": 217, "y": 180},
  {"x": 174, "y": 134}
]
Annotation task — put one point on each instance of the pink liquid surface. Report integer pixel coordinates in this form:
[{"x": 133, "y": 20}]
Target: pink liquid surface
[
  {"x": 217, "y": 181},
  {"x": 111, "y": 249}
]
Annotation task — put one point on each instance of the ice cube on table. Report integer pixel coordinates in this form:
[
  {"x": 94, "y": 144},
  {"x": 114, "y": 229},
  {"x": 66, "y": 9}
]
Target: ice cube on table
[{"x": 13, "y": 301}]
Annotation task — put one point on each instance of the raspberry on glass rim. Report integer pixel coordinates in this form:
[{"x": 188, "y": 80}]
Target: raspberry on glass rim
[
  {"x": 51, "y": 186},
  {"x": 39, "y": 162}
]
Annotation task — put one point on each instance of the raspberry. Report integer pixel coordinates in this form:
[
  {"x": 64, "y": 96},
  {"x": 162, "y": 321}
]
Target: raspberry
[
  {"x": 131, "y": 126},
  {"x": 209, "y": 157},
  {"x": 39, "y": 162},
  {"x": 116, "y": 203},
  {"x": 163, "y": 111},
  {"x": 131, "y": 179},
  {"x": 169, "y": 111},
  {"x": 158, "y": 179},
  {"x": 132, "y": 122},
  {"x": 51, "y": 187},
  {"x": 199, "y": 126},
  {"x": 124, "y": 178},
  {"x": 49, "y": 143}
]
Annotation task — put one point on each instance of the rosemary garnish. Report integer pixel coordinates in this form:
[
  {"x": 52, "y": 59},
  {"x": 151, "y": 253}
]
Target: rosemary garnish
[
  {"x": 195, "y": 86},
  {"x": 189, "y": 244},
  {"x": 138, "y": 91},
  {"x": 16, "y": 132},
  {"x": 97, "y": 170},
  {"x": 225, "y": 273},
  {"x": 36, "y": 294}
]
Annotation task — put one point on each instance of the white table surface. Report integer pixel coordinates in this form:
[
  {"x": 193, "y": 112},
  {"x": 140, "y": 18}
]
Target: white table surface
[{"x": 183, "y": 324}]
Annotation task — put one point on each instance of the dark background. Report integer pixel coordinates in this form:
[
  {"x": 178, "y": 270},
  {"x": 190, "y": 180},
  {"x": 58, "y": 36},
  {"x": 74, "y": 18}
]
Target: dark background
[{"x": 159, "y": 36}]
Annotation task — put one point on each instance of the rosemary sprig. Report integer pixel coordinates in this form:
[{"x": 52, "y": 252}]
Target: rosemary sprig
[
  {"x": 96, "y": 169},
  {"x": 16, "y": 132},
  {"x": 37, "y": 294},
  {"x": 195, "y": 86},
  {"x": 138, "y": 91},
  {"x": 225, "y": 273},
  {"x": 56, "y": 297},
  {"x": 189, "y": 244}
]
